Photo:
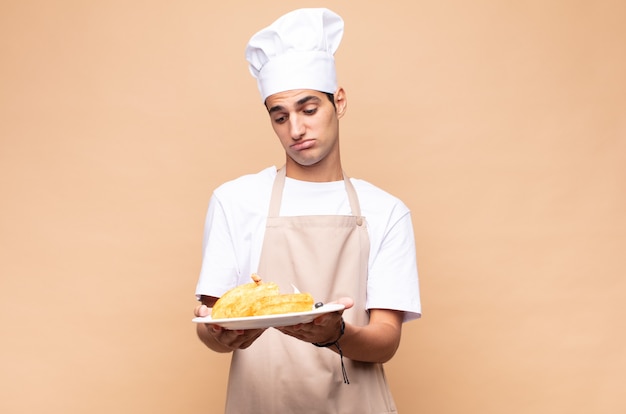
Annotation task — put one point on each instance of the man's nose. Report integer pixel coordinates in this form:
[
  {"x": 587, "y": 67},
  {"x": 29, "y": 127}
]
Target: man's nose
[{"x": 297, "y": 127}]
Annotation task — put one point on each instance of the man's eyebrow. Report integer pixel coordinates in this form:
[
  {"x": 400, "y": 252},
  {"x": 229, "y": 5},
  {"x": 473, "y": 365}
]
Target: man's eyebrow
[
  {"x": 300, "y": 102},
  {"x": 307, "y": 99},
  {"x": 276, "y": 108}
]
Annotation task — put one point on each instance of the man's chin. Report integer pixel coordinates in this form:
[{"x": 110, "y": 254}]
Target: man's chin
[{"x": 306, "y": 161}]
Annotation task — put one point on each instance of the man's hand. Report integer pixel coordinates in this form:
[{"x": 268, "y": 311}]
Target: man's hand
[
  {"x": 224, "y": 340},
  {"x": 375, "y": 342},
  {"x": 323, "y": 329}
]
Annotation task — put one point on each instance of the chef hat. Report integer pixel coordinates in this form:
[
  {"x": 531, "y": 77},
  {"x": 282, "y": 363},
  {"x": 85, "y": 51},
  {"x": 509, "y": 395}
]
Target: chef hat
[{"x": 296, "y": 52}]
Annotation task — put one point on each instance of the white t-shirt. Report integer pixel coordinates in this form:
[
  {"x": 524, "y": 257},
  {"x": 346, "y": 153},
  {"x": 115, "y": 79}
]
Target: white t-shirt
[{"x": 235, "y": 228}]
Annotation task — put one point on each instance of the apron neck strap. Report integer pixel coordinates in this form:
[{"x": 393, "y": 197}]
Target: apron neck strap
[{"x": 279, "y": 184}]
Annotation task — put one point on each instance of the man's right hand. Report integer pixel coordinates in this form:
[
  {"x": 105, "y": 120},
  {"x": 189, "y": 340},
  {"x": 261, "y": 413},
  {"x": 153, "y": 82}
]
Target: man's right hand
[{"x": 223, "y": 340}]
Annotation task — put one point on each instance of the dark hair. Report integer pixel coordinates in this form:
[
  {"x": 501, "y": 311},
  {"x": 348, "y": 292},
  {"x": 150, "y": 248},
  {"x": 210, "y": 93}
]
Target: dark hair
[{"x": 331, "y": 98}]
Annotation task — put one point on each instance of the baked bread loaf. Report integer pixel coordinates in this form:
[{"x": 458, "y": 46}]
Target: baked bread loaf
[
  {"x": 259, "y": 298},
  {"x": 284, "y": 303}
]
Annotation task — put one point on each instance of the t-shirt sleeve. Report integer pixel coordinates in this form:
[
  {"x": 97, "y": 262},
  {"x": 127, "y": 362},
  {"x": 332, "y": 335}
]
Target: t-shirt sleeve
[
  {"x": 219, "y": 270},
  {"x": 393, "y": 280}
]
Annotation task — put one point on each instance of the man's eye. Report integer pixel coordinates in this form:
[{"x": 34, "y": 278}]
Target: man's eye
[
  {"x": 280, "y": 120},
  {"x": 310, "y": 111}
]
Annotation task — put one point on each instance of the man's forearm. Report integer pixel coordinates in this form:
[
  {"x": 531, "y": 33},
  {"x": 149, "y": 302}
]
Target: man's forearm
[{"x": 376, "y": 342}]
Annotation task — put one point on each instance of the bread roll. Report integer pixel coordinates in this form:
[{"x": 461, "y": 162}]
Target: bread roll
[
  {"x": 259, "y": 298},
  {"x": 284, "y": 303}
]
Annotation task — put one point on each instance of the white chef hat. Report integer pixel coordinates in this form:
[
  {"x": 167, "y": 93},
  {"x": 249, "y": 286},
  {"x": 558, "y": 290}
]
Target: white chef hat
[{"x": 296, "y": 52}]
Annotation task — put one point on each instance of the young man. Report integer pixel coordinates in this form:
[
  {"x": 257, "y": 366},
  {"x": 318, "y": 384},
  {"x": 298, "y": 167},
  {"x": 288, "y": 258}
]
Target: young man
[{"x": 307, "y": 224}]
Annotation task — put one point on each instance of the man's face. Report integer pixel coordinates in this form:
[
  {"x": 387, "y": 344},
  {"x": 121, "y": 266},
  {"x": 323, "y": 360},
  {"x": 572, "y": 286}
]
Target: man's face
[{"x": 306, "y": 123}]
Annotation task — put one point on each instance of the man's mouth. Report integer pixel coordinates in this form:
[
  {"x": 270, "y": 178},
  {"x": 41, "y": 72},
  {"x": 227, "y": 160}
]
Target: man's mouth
[{"x": 302, "y": 145}]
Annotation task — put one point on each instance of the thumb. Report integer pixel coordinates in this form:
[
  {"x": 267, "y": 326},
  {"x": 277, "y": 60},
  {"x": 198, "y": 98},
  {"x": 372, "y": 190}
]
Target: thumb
[
  {"x": 346, "y": 301},
  {"x": 201, "y": 311}
]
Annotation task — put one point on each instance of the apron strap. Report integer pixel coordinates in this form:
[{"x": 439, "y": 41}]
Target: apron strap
[
  {"x": 279, "y": 184},
  {"x": 353, "y": 200},
  {"x": 277, "y": 192}
]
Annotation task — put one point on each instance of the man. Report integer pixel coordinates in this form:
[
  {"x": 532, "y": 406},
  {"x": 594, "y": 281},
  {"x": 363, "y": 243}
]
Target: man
[{"x": 307, "y": 224}]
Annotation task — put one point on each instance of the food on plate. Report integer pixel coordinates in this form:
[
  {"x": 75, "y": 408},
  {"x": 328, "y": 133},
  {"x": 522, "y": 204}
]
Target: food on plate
[
  {"x": 284, "y": 303},
  {"x": 259, "y": 298},
  {"x": 242, "y": 300}
]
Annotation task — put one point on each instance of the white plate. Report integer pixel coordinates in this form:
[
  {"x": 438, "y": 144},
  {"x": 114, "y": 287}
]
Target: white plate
[{"x": 269, "y": 321}]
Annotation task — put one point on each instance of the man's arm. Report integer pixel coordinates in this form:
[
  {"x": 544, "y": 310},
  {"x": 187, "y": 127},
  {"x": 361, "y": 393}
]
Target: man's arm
[{"x": 378, "y": 341}]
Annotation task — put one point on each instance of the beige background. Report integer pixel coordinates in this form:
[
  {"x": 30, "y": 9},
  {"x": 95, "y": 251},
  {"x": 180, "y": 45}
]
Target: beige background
[{"x": 501, "y": 124}]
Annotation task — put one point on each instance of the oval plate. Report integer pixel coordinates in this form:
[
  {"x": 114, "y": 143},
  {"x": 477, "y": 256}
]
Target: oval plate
[{"x": 270, "y": 321}]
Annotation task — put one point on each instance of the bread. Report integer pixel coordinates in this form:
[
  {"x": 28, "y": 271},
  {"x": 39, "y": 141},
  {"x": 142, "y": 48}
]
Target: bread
[
  {"x": 259, "y": 298},
  {"x": 285, "y": 303}
]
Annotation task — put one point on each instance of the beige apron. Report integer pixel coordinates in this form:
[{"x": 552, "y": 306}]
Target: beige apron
[{"x": 326, "y": 256}]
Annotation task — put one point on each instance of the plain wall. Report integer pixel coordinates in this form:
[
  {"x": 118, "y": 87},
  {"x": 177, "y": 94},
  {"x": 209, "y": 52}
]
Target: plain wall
[{"x": 502, "y": 125}]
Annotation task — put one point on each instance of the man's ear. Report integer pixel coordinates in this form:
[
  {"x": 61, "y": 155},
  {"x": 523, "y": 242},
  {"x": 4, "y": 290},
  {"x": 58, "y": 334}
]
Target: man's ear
[{"x": 341, "y": 102}]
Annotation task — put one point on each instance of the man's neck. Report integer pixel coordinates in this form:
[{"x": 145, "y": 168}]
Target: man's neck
[{"x": 315, "y": 173}]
